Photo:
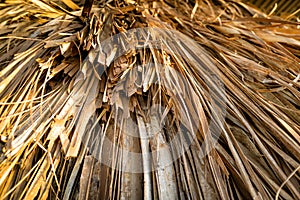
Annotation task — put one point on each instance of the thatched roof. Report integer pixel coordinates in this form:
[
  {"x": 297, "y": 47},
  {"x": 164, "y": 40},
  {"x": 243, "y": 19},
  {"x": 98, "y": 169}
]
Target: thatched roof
[
  {"x": 284, "y": 8},
  {"x": 148, "y": 99}
]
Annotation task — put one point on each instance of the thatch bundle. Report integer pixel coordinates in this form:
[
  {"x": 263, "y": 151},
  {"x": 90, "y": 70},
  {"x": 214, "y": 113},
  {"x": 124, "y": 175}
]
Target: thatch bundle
[{"x": 148, "y": 99}]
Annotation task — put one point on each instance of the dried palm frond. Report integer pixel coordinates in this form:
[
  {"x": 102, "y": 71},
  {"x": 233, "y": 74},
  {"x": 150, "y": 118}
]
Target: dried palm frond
[{"x": 148, "y": 99}]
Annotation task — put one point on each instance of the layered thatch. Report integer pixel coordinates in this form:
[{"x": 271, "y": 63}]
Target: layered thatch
[
  {"x": 67, "y": 116},
  {"x": 283, "y": 8}
]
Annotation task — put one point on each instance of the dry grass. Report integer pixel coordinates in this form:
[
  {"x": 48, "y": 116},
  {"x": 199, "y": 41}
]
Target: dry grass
[
  {"x": 48, "y": 87},
  {"x": 287, "y": 9}
]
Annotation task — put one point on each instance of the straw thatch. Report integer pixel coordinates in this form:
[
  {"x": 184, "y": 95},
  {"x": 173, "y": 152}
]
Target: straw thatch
[
  {"x": 284, "y": 8},
  {"x": 236, "y": 85}
]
